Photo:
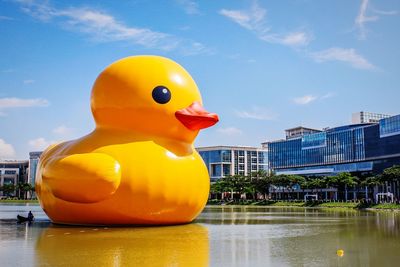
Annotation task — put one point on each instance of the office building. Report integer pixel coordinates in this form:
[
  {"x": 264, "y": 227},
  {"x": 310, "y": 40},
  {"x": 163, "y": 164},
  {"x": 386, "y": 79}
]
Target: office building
[
  {"x": 357, "y": 148},
  {"x": 13, "y": 172},
  {"x": 367, "y": 117},
  {"x": 224, "y": 161},
  {"x": 33, "y": 163}
]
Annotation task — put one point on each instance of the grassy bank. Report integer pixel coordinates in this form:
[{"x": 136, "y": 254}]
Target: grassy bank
[
  {"x": 314, "y": 204},
  {"x": 19, "y": 201}
]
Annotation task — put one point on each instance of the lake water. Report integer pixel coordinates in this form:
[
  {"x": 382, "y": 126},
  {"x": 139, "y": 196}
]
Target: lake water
[{"x": 221, "y": 236}]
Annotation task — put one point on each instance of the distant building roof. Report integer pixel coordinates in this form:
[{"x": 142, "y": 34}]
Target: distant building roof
[
  {"x": 299, "y": 131},
  {"x": 228, "y": 147},
  {"x": 10, "y": 162},
  {"x": 367, "y": 117},
  {"x": 302, "y": 127}
]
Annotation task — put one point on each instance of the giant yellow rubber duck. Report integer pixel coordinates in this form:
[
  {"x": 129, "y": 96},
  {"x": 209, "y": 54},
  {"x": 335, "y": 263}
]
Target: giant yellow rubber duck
[{"x": 139, "y": 165}]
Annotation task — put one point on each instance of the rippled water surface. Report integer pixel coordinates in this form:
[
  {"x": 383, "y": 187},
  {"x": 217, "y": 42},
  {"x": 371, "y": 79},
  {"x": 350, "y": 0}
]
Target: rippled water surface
[{"x": 221, "y": 236}]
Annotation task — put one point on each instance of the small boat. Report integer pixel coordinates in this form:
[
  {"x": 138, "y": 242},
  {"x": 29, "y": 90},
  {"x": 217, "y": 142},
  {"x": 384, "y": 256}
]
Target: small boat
[{"x": 22, "y": 219}]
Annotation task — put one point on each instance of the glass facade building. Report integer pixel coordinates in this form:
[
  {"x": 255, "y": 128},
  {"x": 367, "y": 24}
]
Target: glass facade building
[
  {"x": 223, "y": 161},
  {"x": 33, "y": 163},
  {"x": 351, "y": 148}
]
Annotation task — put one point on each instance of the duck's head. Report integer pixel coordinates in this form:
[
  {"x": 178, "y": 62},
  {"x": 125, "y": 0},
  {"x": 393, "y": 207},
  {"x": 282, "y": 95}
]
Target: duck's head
[{"x": 150, "y": 95}]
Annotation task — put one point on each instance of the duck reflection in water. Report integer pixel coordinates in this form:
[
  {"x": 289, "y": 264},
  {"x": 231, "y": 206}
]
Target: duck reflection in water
[{"x": 184, "y": 245}]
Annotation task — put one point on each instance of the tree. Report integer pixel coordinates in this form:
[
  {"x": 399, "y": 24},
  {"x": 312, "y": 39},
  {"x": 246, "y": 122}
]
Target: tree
[
  {"x": 23, "y": 189},
  {"x": 237, "y": 183},
  {"x": 217, "y": 188},
  {"x": 332, "y": 181},
  {"x": 249, "y": 186},
  {"x": 262, "y": 185},
  {"x": 261, "y": 182},
  {"x": 392, "y": 176},
  {"x": 316, "y": 183},
  {"x": 8, "y": 189},
  {"x": 372, "y": 181},
  {"x": 345, "y": 180},
  {"x": 281, "y": 180},
  {"x": 234, "y": 184},
  {"x": 296, "y": 180}
]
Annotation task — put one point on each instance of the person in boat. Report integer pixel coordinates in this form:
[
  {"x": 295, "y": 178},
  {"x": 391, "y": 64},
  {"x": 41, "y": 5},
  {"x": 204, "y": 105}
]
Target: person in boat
[{"x": 30, "y": 216}]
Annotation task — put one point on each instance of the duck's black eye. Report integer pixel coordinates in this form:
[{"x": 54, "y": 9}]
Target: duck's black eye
[{"x": 161, "y": 94}]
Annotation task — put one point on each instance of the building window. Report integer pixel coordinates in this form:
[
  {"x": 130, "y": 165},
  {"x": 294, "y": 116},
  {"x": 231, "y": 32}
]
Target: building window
[
  {"x": 313, "y": 140},
  {"x": 226, "y": 156},
  {"x": 389, "y": 126},
  {"x": 216, "y": 170},
  {"x": 9, "y": 180},
  {"x": 226, "y": 169}
]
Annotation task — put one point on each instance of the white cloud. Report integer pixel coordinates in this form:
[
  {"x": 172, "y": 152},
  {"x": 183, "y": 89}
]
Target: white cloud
[
  {"x": 254, "y": 21},
  {"x": 6, "y": 150},
  {"x": 103, "y": 27},
  {"x": 388, "y": 13},
  {"x": 249, "y": 20},
  {"x": 13, "y": 102},
  {"x": 28, "y": 81},
  {"x": 349, "y": 56},
  {"x": 40, "y": 143},
  {"x": 194, "y": 48},
  {"x": 304, "y": 100},
  {"x": 362, "y": 17},
  {"x": 62, "y": 130},
  {"x": 190, "y": 7},
  {"x": 256, "y": 113},
  {"x": 296, "y": 38},
  {"x": 327, "y": 95},
  {"x": 307, "y": 99},
  {"x": 230, "y": 131}
]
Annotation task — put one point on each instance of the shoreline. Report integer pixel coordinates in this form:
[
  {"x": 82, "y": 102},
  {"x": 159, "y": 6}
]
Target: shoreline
[
  {"x": 356, "y": 206},
  {"x": 19, "y": 201},
  {"x": 277, "y": 204}
]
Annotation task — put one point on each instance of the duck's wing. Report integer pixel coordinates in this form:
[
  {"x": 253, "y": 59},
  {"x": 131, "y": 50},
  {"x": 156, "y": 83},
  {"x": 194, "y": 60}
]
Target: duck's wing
[{"x": 82, "y": 178}]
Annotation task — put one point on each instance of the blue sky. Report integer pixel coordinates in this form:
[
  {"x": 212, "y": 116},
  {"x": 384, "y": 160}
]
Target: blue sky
[{"x": 263, "y": 66}]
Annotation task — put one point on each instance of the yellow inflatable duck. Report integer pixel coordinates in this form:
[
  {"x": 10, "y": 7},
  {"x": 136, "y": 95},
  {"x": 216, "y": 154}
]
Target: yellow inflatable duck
[{"x": 139, "y": 165}]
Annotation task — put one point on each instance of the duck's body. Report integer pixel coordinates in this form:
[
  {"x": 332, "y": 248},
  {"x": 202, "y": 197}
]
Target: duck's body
[
  {"x": 125, "y": 174},
  {"x": 155, "y": 186}
]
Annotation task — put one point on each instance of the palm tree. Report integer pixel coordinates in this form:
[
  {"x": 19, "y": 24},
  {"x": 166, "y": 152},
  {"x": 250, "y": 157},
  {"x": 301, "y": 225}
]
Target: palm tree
[
  {"x": 282, "y": 181},
  {"x": 249, "y": 186},
  {"x": 344, "y": 180},
  {"x": 295, "y": 180},
  {"x": 317, "y": 183},
  {"x": 216, "y": 188},
  {"x": 262, "y": 185},
  {"x": 372, "y": 181},
  {"x": 238, "y": 184},
  {"x": 392, "y": 176}
]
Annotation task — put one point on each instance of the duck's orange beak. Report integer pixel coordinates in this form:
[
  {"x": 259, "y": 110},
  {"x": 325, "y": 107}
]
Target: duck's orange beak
[{"x": 195, "y": 117}]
